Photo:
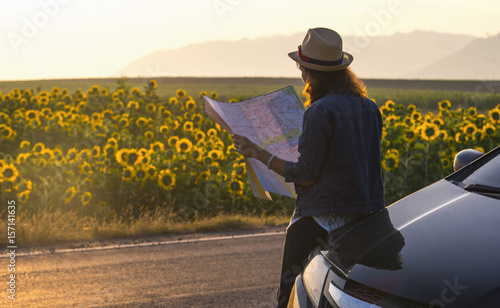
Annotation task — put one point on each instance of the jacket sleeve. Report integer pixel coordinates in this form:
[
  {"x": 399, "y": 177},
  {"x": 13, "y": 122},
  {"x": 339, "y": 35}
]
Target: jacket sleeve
[{"x": 313, "y": 145}]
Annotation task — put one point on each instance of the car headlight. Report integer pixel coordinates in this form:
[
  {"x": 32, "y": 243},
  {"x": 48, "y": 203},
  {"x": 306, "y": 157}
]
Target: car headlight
[{"x": 314, "y": 277}]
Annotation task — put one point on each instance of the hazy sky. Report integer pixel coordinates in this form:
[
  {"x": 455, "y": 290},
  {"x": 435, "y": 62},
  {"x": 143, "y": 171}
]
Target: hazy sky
[{"x": 96, "y": 38}]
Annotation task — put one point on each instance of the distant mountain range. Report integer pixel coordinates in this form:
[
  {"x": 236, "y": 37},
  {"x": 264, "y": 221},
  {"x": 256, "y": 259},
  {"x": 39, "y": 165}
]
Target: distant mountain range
[{"x": 414, "y": 55}]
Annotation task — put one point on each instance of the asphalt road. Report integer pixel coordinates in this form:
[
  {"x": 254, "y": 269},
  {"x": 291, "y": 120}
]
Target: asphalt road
[{"x": 217, "y": 271}]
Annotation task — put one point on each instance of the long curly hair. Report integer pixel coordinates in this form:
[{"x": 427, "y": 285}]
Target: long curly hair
[{"x": 321, "y": 83}]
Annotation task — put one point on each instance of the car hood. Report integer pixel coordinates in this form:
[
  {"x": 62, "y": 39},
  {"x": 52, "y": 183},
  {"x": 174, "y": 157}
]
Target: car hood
[{"x": 438, "y": 245}]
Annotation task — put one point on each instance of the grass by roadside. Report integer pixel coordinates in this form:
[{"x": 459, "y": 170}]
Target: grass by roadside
[{"x": 59, "y": 227}]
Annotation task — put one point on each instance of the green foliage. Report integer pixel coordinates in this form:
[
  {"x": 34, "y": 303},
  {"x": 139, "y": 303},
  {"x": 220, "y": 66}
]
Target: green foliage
[
  {"x": 105, "y": 153},
  {"x": 418, "y": 149},
  {"x": 102, "y": 153}
]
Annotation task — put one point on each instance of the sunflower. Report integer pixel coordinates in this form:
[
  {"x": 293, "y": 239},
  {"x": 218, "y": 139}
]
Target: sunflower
[
  {"x": 391, "y": 119},
  {"x": 9, "y": 173},
  {"x": 214, "y": 95},
  {"x": 445, "y": 162},
  {"x": 217, "y": 143},
  {"x": 172, "y": 141},
  {"x": 165, "y": 112},
  {"x": 429, "y": 131},
  {"x": 231, "y": 149},
  {"x": 460, "y": 137},
  {"x": 22, "y": 158},
  {"x": 85, "y": 168},
  {"x": 203, "y": 93},
  {"x": 190, "y": 104},
  {"x": 488, "y": 130},
  {"x": 96, "y": 117},
  {"x": 134, "y": 91},
  {"x": 47, "y": 154},
  {"x": 6, "y": 132},
  {"x": 43, "y": 101},
  {"x": 24, "y": 196},
  {"x": 149, "y": 135},
  {"x": 188, "y": 126},
  {"x": 196, "y": 153},
  {"x": 469, "y": 129},
  {"x": 72, "y": 155},
  {"x": 5, "y": 118},
  {"x": 173, "y": 101},
  {"x": 410, "y": 136},
  {"x": 122, "y": 156},
  {"x": 150, "y": 107},
  {"x": 25, "y": 144},
  {"x": 31, "y": 115},
  {"x": 438, "y": 121},
  {"x": 141, "y": 172},
  {"x": 198, "y": 134},
  {"x": 144, "y": 157},
  {"x": 383, "y": 110},
  {"x": 156, "y": 147},
  {"x": 472, "y": 111},
  {"x": 46, "y": 112},
  {"x": 202, "y": 143},
  {"x": 408, "y": 121},
  {"x": 211, "y": 132},
  {"x": 391, "y": 160},
  {"x": 443, "y": 135},
  {"x": 69, "y": 194},
  {"x": 128, "y": 173},
  {"x": 133, "y": 157},
  {"x": 416, "y": 116},
  {"x": 184, "y": 145},
  {"x": 152, "y": 84},
  {"x": 86, "y": 197},
  {"x": 120, "y": 93},
  {"x": 239, "y": 169},
  {"x": 177, "y": 123},
  {"x": 84, "y": 153},
  {"x": 124, "y": 122},
  {"x": 197, "y": 118},
  {"x": 141, "y": 122},
  {"x": 236, "y": 186},
  {"x": 94, "y": 90},
  {"x": 214, "y": 168},
  {"x": 215, "y": 154},
  {"x": 180, "y": 93},
  {"x": 411, "y": 108},
  {"x": 164, "y": 129},
  {"x": 110, "y": 150},
  {"x": 494, "y": 115},
  {"x": 151, "y": 171},
  {"x": 96, "y": 151},
  {"x": 166, "y": 179},
  {"x": 132, "y": 104},
  {"x": 112, "y": 141},
  {"x": 390, "y": 104}
]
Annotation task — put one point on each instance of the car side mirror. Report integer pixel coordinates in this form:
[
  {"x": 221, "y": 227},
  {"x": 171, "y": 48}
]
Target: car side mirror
[{"x": 465, "y": 157}]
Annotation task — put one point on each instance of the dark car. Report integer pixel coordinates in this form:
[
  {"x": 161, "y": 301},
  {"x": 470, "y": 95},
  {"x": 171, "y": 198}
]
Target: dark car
[{"x": 438, "y": 247}]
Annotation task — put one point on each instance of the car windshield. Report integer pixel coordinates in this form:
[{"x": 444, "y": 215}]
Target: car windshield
[{"x": 488, "y": 174}]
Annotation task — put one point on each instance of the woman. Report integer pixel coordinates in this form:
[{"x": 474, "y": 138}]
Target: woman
[{"x": 338, "y": 174}]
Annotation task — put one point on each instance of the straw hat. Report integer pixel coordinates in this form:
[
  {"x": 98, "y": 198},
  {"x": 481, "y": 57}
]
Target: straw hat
[{"x": 321, "y": 50}]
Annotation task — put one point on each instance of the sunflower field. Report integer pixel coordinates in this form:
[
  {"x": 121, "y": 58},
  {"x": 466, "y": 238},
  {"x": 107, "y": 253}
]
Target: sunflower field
[
  {"x": 418, "y": 149},
  {"x": 102, "y": 153}
]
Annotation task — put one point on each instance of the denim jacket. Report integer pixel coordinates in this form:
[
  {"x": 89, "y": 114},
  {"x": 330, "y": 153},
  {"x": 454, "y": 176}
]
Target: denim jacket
[{"x": 340, "y": 152}]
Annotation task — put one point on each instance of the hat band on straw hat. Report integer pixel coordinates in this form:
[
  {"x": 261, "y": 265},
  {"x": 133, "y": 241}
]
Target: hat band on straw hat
[{"x": 319, "y": 62}]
